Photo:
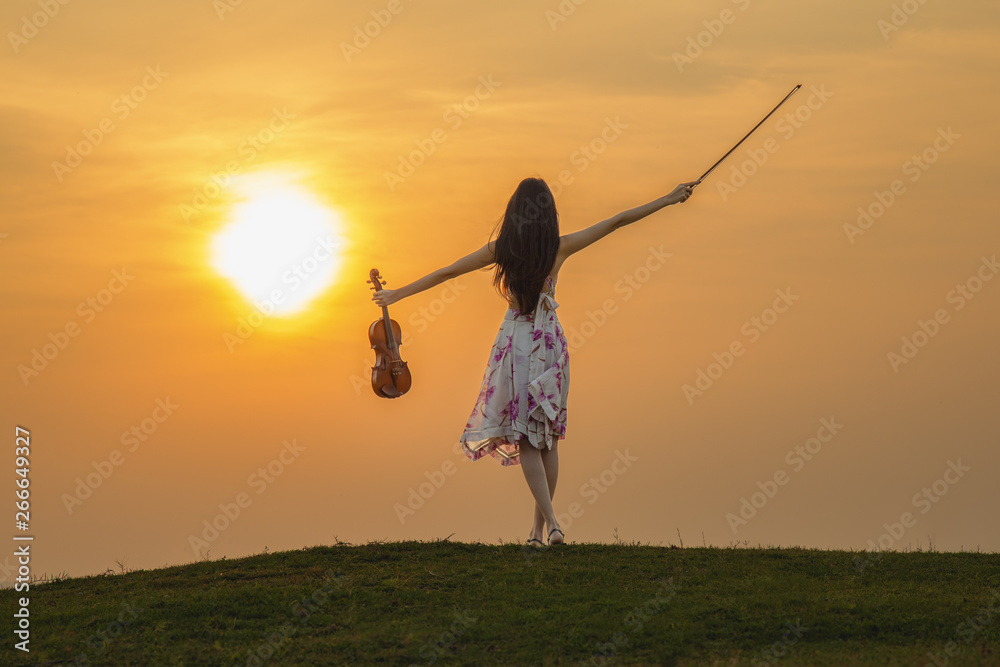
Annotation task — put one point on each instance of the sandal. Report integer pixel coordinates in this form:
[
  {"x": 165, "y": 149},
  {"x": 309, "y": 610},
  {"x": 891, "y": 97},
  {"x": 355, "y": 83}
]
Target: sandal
[
  {"x": 560, "y": 532},
  {"x": 535, "y": 539}
]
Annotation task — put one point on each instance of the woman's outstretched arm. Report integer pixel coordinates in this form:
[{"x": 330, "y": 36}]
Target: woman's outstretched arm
[
  {"x": 577, "y": 241},
  {"x": 476, "y": 260}
]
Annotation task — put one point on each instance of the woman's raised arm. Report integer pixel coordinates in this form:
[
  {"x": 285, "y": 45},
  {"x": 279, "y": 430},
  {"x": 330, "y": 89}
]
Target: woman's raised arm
[
  {"x": 476, "y": 260},
  {"x": 577, "y": 241}
]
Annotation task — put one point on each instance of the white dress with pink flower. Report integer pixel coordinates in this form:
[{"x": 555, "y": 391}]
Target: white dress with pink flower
[{"x": 525, "y": 387}]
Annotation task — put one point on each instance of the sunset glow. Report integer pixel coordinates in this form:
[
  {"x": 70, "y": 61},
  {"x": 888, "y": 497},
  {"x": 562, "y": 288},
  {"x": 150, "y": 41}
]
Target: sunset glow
[
  {"x": 281, "y": 247},
  {"x": 194, "y": 194}
]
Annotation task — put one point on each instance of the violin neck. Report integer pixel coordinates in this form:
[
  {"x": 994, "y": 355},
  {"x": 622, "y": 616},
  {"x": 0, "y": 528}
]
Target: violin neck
[{"x": 389, "y": 338}]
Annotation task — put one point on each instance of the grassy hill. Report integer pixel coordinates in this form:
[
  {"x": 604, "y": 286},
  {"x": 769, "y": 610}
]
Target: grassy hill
[{"x": 422, "y": 603}]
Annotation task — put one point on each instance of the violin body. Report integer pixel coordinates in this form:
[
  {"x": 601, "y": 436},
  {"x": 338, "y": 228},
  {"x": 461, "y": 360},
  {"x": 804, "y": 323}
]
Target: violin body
[{"x": 390, "y": 374}]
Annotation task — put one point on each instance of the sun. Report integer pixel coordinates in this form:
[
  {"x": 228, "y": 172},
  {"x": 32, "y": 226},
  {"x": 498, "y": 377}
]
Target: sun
[{"x": 281, "y": 247}]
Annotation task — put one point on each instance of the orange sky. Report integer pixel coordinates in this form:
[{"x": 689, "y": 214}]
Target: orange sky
[{"x": 619, "y": 101}]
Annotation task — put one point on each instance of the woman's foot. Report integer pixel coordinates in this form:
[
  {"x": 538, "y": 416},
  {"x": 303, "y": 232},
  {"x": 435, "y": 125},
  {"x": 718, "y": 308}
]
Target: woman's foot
[
  {"x": 559, "y": 538},
  {"x": 535, "y": 542}
]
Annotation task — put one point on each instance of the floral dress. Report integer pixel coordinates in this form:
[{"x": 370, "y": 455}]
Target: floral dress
[{"x": 525, "y": 386}]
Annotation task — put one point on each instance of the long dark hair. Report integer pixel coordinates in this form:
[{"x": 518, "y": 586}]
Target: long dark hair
[{"x": 527, "y": 244}]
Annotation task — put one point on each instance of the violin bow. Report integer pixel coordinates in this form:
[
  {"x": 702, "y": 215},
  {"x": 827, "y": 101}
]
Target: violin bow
[{"x": 712, "y": 168}]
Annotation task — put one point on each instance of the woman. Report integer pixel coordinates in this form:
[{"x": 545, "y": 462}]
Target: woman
[{"x": 520, "y": 414}]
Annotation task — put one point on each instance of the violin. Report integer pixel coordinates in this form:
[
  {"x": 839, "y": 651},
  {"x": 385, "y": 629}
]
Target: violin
[{"x": 390, "y": 375}]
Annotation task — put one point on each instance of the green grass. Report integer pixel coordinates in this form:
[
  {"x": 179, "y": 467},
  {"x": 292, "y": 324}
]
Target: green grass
[{"x": 479, "y": 604}]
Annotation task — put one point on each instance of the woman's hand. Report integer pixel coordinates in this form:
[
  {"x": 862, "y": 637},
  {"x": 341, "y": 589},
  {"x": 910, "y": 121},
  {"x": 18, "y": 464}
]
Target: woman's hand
[
  {"x": 385, "y": 297},
  {"x": 681, "y": 192}
]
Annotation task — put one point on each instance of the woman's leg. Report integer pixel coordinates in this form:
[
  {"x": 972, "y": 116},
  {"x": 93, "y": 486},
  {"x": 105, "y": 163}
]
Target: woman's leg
[
  {"x": 550, "y": 461},
  {"x": 535, "y": 475}
]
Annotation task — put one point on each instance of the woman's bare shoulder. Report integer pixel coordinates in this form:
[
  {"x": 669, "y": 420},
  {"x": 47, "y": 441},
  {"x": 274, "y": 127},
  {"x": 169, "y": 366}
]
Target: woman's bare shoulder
[
  {"x": 557, "y": 264},
  {"x": 561, "y": 256}
]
